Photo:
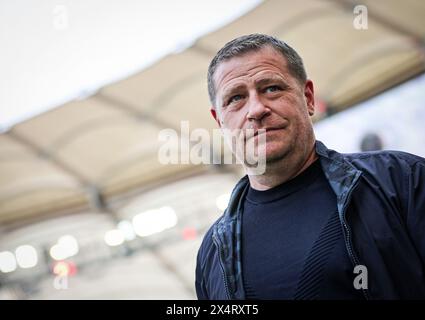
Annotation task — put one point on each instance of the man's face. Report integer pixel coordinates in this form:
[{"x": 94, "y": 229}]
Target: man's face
[{"x": 256, "y": 90}]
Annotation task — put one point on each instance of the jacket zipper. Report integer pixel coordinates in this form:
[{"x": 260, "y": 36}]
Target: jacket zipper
[
  {"x": 215, "y": 240},
  {"x": 348, "y": 241}
]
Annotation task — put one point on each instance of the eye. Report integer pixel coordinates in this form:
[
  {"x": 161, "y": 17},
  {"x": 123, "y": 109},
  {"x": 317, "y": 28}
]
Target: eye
[
  {"x": 235, "y": 98},
  {"x": 272, "y": 89}
]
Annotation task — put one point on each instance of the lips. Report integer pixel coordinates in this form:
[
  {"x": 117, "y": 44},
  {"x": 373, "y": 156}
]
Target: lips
[{"x": 268, "y": 129}]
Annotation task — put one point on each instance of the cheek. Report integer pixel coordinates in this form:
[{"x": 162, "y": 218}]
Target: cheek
[
  {"x": 233, "y": 119},
  {"x": 291, "y": 108}
]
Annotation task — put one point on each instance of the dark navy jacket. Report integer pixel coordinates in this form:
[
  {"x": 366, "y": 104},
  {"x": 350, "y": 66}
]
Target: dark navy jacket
[{"x": 381, "y": 205}]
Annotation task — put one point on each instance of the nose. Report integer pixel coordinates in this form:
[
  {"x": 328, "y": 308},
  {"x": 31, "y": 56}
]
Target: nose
[{"x": 257, "y": 110}]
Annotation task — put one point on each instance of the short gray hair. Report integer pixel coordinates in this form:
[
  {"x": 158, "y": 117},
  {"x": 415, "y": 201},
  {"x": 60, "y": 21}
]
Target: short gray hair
[{"x": 254, "y": 42}]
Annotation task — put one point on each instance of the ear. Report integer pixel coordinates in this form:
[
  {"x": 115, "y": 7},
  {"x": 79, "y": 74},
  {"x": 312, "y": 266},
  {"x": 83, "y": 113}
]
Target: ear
[
  {"x": 309, "y": 96},
  {"x": 215, "y": 116}
]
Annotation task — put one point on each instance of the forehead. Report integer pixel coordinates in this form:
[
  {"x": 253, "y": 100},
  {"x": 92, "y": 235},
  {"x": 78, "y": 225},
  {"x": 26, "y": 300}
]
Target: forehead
[{"x": 250, "y": 64}]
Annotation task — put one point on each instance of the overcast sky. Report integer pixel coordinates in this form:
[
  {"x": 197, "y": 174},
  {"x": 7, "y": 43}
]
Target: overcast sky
[{"x": 54, "y": 51}]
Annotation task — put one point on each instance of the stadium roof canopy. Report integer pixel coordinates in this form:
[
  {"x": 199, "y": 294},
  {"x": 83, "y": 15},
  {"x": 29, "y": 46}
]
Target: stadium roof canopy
[{"x": 89, "y": 152}]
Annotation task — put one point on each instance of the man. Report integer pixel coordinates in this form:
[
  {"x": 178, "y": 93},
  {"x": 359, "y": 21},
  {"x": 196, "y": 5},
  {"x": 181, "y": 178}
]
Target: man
[{"x": 316, "y": 224}]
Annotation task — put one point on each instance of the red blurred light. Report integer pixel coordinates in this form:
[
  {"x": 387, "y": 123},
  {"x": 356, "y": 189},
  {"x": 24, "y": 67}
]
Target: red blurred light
[
  {"x": 321, "y": 106},
  {"x": 64, "y": 268},
  {"x": 189, "y": 233}
]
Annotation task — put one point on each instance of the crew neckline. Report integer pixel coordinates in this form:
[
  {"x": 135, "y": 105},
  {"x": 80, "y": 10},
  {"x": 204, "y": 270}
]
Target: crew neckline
[{"x": 280, "y": 191}]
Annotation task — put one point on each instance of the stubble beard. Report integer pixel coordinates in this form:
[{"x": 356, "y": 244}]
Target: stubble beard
[{"x": 296, "y": 150}]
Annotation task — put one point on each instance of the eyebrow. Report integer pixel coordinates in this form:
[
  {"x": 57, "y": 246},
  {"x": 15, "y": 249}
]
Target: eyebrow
[
  {"x": 258, "y": 83},
  {"x": 228, "y": 92},
  {"x": 270, "y": 79},
  {"x": 267, "y": 79},
  {"x": 233, "y": 89}
]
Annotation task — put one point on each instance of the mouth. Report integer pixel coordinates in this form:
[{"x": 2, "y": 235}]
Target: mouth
[{"x": 266, "y": 130}]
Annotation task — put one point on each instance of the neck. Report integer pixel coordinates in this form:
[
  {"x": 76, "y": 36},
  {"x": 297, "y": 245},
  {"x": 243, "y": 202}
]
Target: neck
[{"x": 284, "y": 170}]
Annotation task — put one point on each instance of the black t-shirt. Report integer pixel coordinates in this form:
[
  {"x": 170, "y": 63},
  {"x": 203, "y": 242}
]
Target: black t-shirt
[{"x": 292, "y": 242}]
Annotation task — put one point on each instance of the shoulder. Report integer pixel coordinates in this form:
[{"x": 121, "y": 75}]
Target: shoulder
[
  {"x": 207, "y": 245},
  {"x": 387, "y": 159},
  {"x": 391, "y": 170}
]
